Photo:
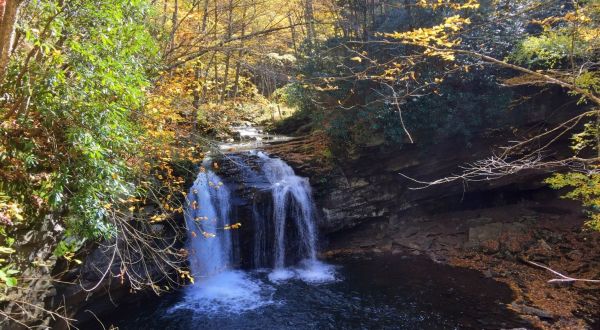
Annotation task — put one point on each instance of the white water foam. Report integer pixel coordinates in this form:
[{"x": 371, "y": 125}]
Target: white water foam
[
  {"x": 309, "y": 271},
  {"x": 227, "y": 292}
]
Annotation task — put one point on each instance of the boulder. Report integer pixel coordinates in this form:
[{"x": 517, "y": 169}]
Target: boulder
[{"x": 496, "y": 236}]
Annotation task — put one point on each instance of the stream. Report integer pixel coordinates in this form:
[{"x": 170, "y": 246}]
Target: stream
[{"x": 275, "y": 279}]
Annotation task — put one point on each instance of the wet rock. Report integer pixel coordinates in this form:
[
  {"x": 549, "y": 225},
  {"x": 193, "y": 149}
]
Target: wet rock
[
  {"x": 488, "y": 273},
  {"x": 388, "y": 246},
  {"x": 397, "y": 164},
  {"x": 410, "y": 231},
  {"x": 368, "y": 244},
  {"x": 415, "y": 242},
  {"x": 375, "y": 140},
  {"x": 394, "y": 221},
  {"x": 541, "y": 251},
  {"x": 485, "y": 237},
  {"x": 544, "y": 246}
]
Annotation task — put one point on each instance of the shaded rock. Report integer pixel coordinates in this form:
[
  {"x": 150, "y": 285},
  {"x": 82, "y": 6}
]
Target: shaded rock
[
  {"x": 415, "y": 243},
  {"x": 394, "y": 221},
  {"x": 357, "y": 183},
  {"x": 542, "y": 314},
  {"x": 575, "y": 255},
  {"x": 488, "y": 273},
  {"x": 496, "y": 236},
  {"x": 410, "y": 231},
  {"x": 485, "y": 236}
]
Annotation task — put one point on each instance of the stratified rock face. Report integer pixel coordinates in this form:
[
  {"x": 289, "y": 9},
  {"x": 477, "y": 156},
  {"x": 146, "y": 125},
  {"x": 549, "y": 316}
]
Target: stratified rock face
[
  {"x": 369, "y": 208},
  {"x": 369, "y": 186}
]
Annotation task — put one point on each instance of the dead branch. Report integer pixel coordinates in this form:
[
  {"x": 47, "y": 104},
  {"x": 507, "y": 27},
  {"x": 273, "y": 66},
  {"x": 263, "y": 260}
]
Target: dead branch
[
  {"x": 563, "y": 278},
  {"x": 496, "y": 167}
]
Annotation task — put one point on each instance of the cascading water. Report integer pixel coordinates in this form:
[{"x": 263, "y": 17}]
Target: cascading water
[
  {"x": 282, "y": 284},
  {"x": 290, "y": 222},
  {"x": 207, "y": 212},
  {"x": 291, "y": 201},
  {"x": 218, "y": 287}
]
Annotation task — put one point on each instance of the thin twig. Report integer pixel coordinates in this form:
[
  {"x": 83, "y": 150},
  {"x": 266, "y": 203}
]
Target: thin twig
[{"x": 563, "y": 278}]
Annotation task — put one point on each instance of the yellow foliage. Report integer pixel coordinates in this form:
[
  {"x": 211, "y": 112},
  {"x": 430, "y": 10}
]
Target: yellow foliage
[
  {"x": 451, "y": 4},
  {"x": 233, "y": 226},
  {"x": 439, "y": 36}
]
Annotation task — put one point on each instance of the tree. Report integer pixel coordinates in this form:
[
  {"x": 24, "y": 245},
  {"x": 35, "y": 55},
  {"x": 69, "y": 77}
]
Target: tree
[
  {"x": 564, "y": 54},
  {"x": 9, "y": 11}
]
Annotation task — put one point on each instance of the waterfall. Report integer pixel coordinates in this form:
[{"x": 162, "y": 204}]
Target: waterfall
[
  {"x": 207, "y": 213},
  {"x": 284, "y": 236},
  {"x": 292, "y": 201},
  {"x": 218, "y": 288}
]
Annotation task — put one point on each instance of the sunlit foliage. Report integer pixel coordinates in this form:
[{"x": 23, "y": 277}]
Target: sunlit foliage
[{"x": 74, "y": 83}]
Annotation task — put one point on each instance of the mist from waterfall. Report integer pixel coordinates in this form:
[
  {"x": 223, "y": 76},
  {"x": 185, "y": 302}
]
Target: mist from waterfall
[{"x": 218, "y": 287}]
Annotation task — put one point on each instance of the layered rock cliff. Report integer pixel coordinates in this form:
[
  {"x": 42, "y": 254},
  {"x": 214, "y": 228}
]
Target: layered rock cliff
[{"x": 367, "y": 206}]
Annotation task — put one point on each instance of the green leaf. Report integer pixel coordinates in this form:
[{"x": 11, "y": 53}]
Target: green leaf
[{"x": 10, "y": 281}]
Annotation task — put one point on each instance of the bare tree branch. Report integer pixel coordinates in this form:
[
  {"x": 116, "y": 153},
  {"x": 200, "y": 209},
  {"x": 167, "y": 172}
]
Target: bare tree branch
[{"x": 562, "y": 278}]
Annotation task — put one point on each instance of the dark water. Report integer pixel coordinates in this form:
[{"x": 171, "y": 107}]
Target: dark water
[{"x": 390, "y": 292}]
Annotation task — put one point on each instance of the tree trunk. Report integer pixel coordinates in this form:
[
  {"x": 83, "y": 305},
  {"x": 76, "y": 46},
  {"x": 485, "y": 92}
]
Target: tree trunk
[
  {"x": 408, "y": 7},
  {"x": 598, "y": 134},
  {"x": 164, "y": 14},
  {"x": 216, "y": 37},
  {"x": 196, "y": 92},
  {"x": 9, "y": 11},
  {"x": 174, "y": 23},
  {"x": 293, "y": 30},
  {"x": 310, "y": 21},
  {"x": 365, "y": 11},
  {"x": 238, "y": 65},
  {"x": 198, "y": 68},
  {"x": 372, "y": 15},
  {"x": 228, "y": 53}
]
